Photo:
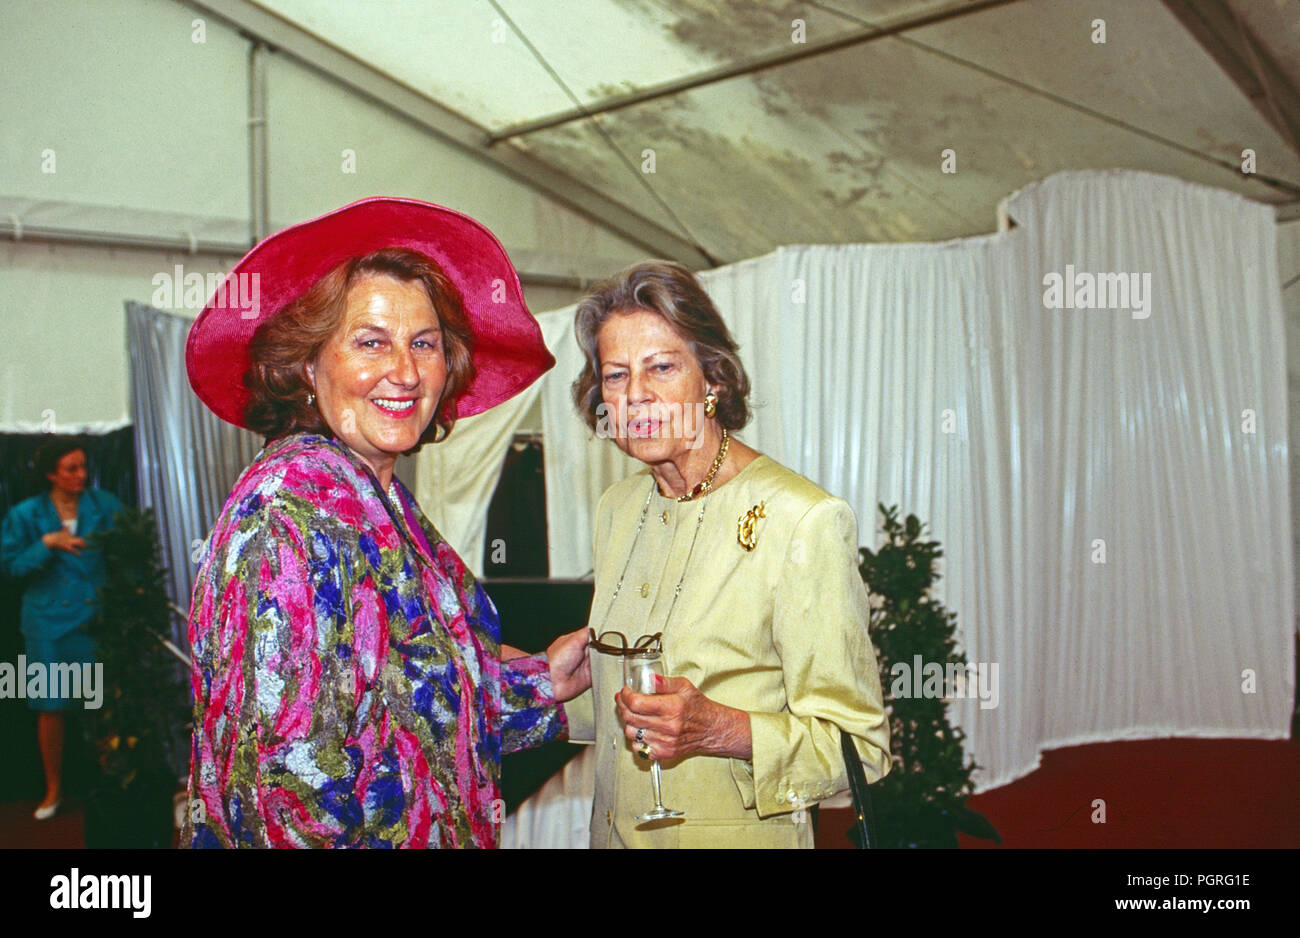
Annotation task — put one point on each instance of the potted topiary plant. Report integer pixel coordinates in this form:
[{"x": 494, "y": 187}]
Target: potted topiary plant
[
  {"x": 922, "y": 801},
  {"x": 144, "y": 699}
]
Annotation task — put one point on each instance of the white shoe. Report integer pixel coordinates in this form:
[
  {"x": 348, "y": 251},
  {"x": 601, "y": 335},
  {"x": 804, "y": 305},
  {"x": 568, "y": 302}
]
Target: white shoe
[{"x": 47, "y": 812}]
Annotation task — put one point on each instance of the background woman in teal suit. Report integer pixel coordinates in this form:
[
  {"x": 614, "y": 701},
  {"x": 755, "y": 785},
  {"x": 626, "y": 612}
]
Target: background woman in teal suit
[{"x": 43, "y": 545}]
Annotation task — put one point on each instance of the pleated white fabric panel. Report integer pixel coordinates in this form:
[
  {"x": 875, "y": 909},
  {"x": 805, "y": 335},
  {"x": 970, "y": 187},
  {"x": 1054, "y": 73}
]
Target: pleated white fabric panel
[
  {"x": 558, "y": 815},
  {"x": 1109, "y": 484},
  {"x": 1032, "y": 440},
  {"x": 455, "y": 479},
  {"x": 1161, "y": 439},
  {"x": 578, "y": 465}
]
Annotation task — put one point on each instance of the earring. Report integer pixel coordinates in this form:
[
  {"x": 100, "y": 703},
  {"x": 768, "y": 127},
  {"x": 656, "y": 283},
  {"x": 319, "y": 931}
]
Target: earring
[
  {"x": 710, "y": 405},
  {"x": 311, "y": 399}
]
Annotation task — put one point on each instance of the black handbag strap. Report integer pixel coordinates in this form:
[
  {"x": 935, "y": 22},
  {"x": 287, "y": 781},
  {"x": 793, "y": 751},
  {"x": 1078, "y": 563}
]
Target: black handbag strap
[{"x": 863, "y": 831}]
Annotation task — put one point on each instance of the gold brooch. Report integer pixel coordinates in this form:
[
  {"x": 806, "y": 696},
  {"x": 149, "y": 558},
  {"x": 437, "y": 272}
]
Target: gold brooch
[{"x": 747, "y": 529}]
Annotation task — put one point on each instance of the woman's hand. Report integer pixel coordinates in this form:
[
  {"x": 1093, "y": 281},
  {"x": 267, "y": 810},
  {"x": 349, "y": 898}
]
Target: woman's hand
[
  {"x": 680, "y": 721},
  {"x": 63, "y": 540},
  {"x": 570, "y": 664}
]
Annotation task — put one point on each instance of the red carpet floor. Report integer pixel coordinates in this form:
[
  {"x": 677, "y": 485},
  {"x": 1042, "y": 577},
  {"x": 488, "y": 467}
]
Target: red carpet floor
[
  {"x": 1161, "y": 793},
  {"x": 19, "y": 830}
]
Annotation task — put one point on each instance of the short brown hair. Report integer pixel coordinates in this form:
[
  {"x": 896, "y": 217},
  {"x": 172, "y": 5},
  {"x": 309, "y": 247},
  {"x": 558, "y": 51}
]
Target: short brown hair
[
  {"x": 674, "y": 293},
  {"x": 285, "y": 344}
]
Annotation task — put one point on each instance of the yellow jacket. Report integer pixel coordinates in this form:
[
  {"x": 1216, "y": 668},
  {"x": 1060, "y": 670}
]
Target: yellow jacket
[{"x": 779, "y": 631}]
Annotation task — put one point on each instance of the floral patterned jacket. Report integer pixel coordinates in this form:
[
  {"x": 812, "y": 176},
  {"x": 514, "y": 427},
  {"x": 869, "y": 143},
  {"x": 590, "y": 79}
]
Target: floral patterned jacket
[{"x": 348, "y": 689}]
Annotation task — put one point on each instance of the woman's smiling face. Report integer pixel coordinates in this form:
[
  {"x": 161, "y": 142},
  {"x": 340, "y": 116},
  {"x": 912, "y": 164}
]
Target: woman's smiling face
[{"x": 378, "y": 379}]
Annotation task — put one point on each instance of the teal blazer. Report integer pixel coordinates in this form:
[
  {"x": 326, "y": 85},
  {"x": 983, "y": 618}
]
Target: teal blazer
[{"x": 59, "y": 586}]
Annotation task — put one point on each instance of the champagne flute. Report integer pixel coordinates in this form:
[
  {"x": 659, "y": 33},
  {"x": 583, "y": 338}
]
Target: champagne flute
[{"x": 640, "y": 666}]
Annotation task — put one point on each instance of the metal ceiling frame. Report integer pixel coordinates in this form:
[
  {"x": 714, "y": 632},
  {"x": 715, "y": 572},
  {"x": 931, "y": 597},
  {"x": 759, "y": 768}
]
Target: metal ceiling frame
[
  {"x": 750, "y": 66},
  {"x": 260, "y": 25},
  {"x": 1211, "y": 22},
  {"x": 1243, "y": 57},
  {"x": 1219, "y": 31},
  {"x": 13, "y": 230}
]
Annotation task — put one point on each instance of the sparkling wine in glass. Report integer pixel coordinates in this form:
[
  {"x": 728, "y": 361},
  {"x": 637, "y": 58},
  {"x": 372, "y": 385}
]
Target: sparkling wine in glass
[{"x": 639, "y": 670}]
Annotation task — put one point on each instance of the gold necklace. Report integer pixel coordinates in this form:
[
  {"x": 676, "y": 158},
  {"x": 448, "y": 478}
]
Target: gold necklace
[{"x": 706, "y": 483}]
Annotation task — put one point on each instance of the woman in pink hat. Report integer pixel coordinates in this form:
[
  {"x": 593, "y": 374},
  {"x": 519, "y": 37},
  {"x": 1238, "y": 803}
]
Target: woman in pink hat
[{"x": 348, "y": 682}]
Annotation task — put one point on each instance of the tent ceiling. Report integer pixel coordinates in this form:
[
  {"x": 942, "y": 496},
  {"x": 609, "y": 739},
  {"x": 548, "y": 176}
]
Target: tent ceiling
[
  {"x": 845, "y": 145},
  {"x": 1274, "y": 24}
]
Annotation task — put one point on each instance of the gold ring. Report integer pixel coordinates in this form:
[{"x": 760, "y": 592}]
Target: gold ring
[{"x": 644, "y": 751}]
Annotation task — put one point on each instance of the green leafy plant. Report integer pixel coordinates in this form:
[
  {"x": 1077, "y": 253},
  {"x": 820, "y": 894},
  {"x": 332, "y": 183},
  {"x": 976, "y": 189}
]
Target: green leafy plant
[
  {"x": 922, "y": 801},
  {"x": 144, "y": 699}
]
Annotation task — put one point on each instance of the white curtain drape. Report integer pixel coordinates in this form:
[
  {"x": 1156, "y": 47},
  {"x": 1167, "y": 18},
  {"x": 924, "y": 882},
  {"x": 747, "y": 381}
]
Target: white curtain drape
[
  {"x": 558, "y": 815},
  {"x": 1109, "y": 484},
  {"x": 1161, "y": 440},
  {"x": 455, "y": 479},
  {"x": 577, "y": 466},
  {"x": 187, "y": 459}
]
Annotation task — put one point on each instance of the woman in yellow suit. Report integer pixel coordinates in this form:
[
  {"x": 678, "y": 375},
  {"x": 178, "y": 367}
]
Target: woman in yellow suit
[{"x": 747, "y": 569}]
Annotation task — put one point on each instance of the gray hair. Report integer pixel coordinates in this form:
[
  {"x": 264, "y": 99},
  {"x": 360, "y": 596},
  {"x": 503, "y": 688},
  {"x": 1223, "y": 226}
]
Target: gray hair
[{"x": 674, "y": 293}]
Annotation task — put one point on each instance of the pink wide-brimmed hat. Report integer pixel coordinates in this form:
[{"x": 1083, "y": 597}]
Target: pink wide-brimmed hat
[{"x": 509, "y": 353}]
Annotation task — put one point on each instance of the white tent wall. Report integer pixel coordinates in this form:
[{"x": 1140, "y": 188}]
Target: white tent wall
[
  {"x": 65, "y": 357},
  {"x": 1071, "y": 424},
  {"x": 316, "y": 127},
  {"x": 138, "y": 116},
  {"x": 1288, "y": 266},
  {"x": 1070, "y": 427},
  {"x": 118, "y": 146}
]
